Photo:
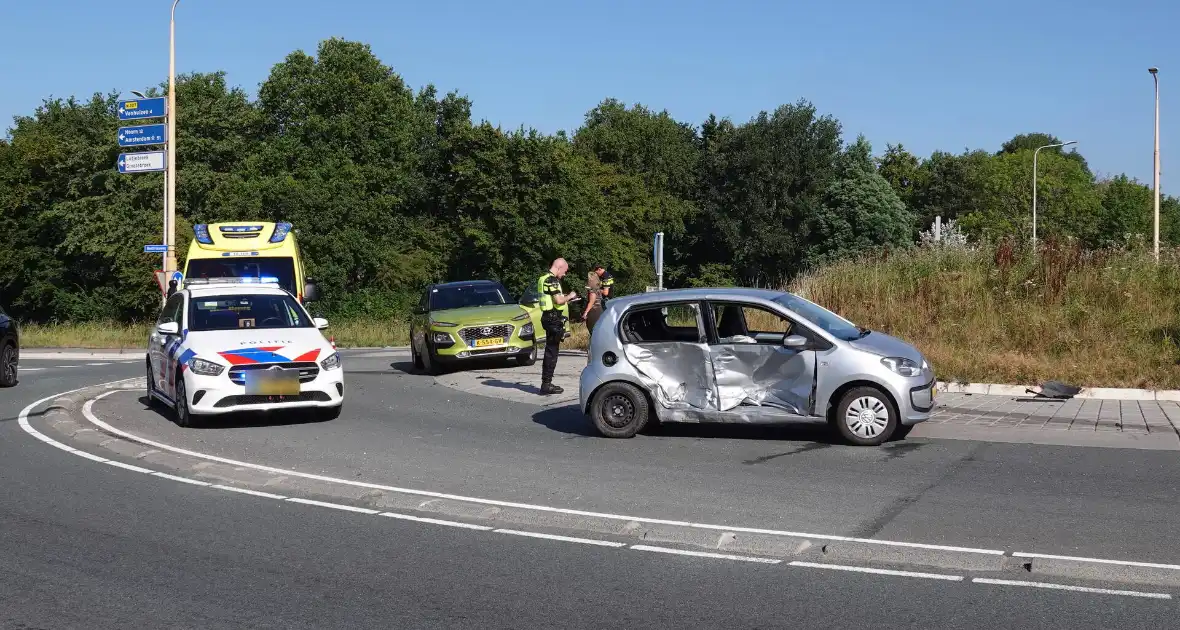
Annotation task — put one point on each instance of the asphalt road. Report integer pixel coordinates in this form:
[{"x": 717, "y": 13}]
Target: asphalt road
[
  {"x": 92, "y": 546},
  {"x": 402, "y": 429}
]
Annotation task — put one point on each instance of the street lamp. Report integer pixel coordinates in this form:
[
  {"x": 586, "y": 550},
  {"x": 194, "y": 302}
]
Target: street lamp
[
  {"x": 1034, "y": 209},
  {"x": 170, "y": 172},
  {"x": 138, "y": 94},
  {"x": 1155, "y": 171}
]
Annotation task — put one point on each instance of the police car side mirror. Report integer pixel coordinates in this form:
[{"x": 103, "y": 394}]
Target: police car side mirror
[
  {"x": 169, "y": 328},
  {"x": 320, "y": 323}
]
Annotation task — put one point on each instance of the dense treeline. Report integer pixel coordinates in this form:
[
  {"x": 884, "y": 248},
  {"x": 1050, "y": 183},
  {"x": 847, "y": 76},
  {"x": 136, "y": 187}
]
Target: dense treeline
[{"x": 391, "y": 188}]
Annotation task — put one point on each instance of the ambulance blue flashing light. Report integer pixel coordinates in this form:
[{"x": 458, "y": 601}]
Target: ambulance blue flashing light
[
  {"x": 280, "y": 233},
  {"x": 201, "y": 232}
]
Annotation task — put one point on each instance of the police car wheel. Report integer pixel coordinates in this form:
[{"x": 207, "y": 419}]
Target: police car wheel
[
  {"x": 151, "y": 386},
  {"x": 619, "y": 410},
  {"x": 184, "y": 416}
]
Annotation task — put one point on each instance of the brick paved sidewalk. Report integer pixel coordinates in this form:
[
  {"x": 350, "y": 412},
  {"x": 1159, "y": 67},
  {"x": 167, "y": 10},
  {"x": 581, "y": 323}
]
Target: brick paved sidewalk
[{"x": 1128, "y": 416}]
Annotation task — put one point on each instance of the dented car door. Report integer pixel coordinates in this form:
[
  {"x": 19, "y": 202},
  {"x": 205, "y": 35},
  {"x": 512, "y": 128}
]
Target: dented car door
[
  {"x": 752, "y": 365},
  {"x": 667, "y": 346}
]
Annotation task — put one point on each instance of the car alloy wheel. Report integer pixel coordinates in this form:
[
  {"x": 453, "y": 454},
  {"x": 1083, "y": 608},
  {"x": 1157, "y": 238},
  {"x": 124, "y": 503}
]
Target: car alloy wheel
[{"x": 8, "y": 366}]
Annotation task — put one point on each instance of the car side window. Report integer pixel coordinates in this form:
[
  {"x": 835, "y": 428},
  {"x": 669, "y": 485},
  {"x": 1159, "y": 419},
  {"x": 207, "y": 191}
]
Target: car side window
[
  {"x": 663, "y": 323},
  {"x": 422, "y": 303},
  {"x": 530, "y": 297},
  {"x": 745, "y": 323},
  {"x": 171, "y": 311}
]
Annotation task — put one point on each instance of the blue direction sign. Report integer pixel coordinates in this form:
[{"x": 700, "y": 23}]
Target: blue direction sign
[
  {"x": 141, "y": 134},
  {"x": 145, "y": 162},
  {"x": 142, "y": 108},
  {"x": 155, "y": 249}
]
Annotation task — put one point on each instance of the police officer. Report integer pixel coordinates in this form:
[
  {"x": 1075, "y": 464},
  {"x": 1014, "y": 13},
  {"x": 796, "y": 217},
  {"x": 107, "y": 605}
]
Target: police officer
[
  {"x": 607, "y": 282},
  {"x": 554, "y": 312}
]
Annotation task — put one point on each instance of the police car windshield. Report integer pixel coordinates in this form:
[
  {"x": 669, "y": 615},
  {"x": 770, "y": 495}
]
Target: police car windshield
[
  {"x": 446, "y": 298},
  {"x": 274, "y": 269},
  {"x": 241, "y": 312}
]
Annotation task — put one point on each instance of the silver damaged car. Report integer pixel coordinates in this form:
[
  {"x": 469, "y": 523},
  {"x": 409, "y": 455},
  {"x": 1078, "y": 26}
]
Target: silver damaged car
[{"x": 753, "y": 356}]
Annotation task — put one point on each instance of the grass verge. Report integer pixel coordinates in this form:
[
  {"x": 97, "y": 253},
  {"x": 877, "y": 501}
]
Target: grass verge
[{"x": 1001, "y": 315}]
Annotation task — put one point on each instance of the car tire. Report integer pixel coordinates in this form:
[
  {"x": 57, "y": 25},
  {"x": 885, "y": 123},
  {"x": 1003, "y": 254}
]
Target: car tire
[
  {"x": 414, "y": 356},
  {"x": 184, "y": 415},
  {"x": 865, "y": 417},
  {"x": 902, "y": 431},
  {"x": 528, "y": 358},
  {"x": 8, "y": 366},
  {"x": 151, "y": 387},
  {"x": 619, "y": 410},
  {"x": 430, "y": 363}
]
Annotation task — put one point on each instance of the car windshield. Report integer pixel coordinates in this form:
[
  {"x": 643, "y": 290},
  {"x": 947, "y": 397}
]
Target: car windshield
[
  {"x": 267, "y": 268},
  {"x": 445, "y": 298},
  {"x": 830, "y": 322},
  {"x": 240, "y": 312}
]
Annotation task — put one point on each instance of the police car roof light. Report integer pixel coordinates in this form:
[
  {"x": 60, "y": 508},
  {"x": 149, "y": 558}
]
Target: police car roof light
[{"x": 264, "y": 280}]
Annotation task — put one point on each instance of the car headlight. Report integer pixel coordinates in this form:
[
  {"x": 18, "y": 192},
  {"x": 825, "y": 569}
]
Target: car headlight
[
  {"x": 902, "y": 366},
  {"x": 332, "y": 362},
  {"x": 204, "y": 368},
  {"x": 527, "y": 330},
  {"x": 440, "y": 337},
  {"x": 443, "y": 324}
]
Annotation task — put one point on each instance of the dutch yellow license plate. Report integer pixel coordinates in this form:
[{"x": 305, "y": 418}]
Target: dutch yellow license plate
[{"x": 493, "y": 341}]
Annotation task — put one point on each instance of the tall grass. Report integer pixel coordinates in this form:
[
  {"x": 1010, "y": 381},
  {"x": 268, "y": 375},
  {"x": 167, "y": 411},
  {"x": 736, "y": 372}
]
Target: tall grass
[{"x": 1003, "y": 314}]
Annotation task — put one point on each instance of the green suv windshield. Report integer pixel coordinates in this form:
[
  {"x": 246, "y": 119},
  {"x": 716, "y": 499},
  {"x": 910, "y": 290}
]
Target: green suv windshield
[{"x": 446, "y": 298}]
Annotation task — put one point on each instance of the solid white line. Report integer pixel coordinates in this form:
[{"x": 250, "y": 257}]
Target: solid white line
[
  {"x": 25, "y": 369},
  {"x": 842, "y": 567},
  {"x": 1129, "y": 563},
  {"x": 1070, "y": 587},
  {"x": 128, "y": 466},
  {"x": 92, "y": 456},
  {"x": 64, "y": 366},
  {"x": 253, "y": 493},
  {"x": 337, "y": 506},
  {"x": 704, "y": 554},
  {"x": 584, "y": 541},
  {"x": 182, "y": 479},
  {"x": 89, "y": 415},
  {"x": 435, "y": 521},
  {"x": 97, "y": 364}
]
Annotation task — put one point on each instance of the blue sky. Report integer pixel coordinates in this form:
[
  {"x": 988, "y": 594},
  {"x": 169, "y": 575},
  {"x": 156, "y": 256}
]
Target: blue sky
[{"x": 930, "y": 74}]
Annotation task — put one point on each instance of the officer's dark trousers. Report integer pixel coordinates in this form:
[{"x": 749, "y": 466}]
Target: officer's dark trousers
[{"x": 554, "y": 325}]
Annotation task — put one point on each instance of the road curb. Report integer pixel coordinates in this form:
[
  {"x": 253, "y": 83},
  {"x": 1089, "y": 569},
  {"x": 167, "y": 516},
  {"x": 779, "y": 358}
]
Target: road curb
[
  {"x": 62, "y": 418},
  {"x": 1092, "y": 393}
]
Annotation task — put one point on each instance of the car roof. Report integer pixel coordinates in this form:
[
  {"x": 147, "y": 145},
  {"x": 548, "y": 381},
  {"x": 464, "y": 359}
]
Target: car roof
[
  {"x": 465, "y": 283},
  {"x": 704, "y": 293},
  {"x": 234, "y": 289}
]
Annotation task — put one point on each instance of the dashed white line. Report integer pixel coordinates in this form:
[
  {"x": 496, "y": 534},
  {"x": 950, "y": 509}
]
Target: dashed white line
[
  {"x": 128, "y": 467},
  {"x": 1127, "y": 563},
  {"x": 855, "y": 569},
  {"x": 705, "y": 554},
  {"x": 64, "y": 367},
  {"x": 437, "y": 521},
  {"x": 570, "y": 539},
  {"x": 336, "y": 506},
  {"x": 181, "y": 479},
  {"x": 253, "y": 493},
  {"x": 1071, "y": 587},
  {"x": 25, "y": 369},
  {"x": 97, "y": 364}
]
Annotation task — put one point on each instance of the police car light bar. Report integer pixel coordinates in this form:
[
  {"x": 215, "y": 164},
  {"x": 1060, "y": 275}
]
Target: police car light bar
[{"x": 229, "y": 280}]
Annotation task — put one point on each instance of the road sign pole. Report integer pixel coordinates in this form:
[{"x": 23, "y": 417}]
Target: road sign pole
[{"x": 170, "y": 172}]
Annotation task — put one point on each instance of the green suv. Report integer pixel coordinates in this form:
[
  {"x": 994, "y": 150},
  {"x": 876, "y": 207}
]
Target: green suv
[{"x": 475, "y": 319}]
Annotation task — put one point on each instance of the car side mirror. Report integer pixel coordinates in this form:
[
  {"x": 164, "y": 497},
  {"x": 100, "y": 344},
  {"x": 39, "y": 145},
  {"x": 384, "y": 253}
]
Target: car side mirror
[
  {"x": 320, "y": 323},
  {"x": 168, "y": 328},
  {"x": 795, "y": 342},
  {"x": 311, "y": 292},
  {"x": 419, "y": 310}
]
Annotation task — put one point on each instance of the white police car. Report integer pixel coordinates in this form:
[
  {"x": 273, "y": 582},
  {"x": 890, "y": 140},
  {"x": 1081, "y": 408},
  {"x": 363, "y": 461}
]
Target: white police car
[{"x": 236, "y": 344}]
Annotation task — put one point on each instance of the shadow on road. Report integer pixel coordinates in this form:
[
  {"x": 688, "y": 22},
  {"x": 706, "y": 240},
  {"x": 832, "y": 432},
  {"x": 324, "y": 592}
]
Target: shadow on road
[
  {"x": 250, "y": 420},
  {"x": 528, "y": 388}
]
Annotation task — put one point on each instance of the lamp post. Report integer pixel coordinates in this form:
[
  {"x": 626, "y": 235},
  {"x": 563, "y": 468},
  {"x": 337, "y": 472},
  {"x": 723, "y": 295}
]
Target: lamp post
[
  {"x": 1034, "y": 208},
  {"x": 1155, "y": 170},
  {"x": 170, "y": 170}
]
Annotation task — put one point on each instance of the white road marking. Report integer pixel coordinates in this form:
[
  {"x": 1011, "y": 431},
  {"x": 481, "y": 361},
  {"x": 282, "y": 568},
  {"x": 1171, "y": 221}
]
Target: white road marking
[
  {"x": 336, "y": 506},
  {"x": 854, "y": 569},
  {"x": 88, "y": 413},
  {"x": 97, "y": 364},
  {"x": 101, "y": 460},
  {"x": 1128, "y": 563},
  {"x": 253, "y": 493},
  {"x": 571, "y": 539},
  {"x": 25, "y": 369},
  {"x": 1070, "y": 587},
  {"x": 705, "y": 554},
  {"x": 435, "y": 521},
  {"x": 64, "y": 366},
  {"x": 182, "y": 479},
  {"x": 128, "y": 466}
]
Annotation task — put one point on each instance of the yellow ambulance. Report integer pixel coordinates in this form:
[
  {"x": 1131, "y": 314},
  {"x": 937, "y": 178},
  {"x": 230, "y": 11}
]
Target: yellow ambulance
[{"x": 268, "y": 252}]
